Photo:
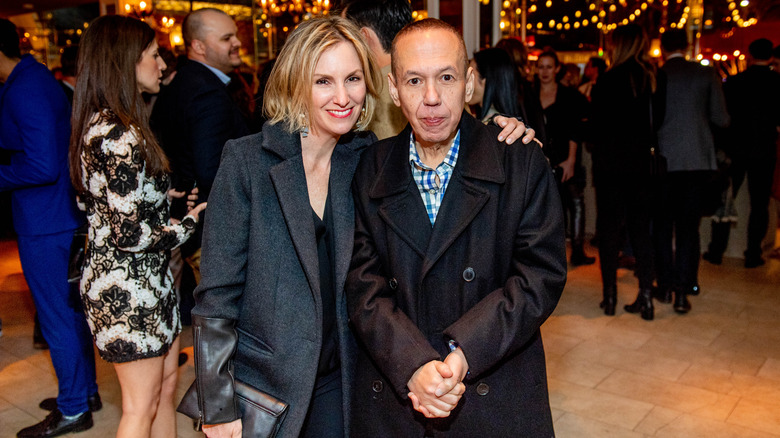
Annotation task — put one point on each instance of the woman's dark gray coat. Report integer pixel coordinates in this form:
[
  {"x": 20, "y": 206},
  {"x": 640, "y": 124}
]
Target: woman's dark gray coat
[{"x": 260, "y": 272}]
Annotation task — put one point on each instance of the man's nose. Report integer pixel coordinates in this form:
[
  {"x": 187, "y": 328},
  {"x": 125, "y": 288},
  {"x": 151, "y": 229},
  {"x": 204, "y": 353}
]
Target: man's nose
[{"x": 432, "y": 96}]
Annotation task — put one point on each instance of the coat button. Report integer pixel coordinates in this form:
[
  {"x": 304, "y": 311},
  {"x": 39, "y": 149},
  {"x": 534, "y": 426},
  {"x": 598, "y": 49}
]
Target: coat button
[
  {"x": 468, "y": 274},
  {"x": 393, "y": 283},
  {"x": 483, "y": 389},
  {"x": 377, "y": 386}
]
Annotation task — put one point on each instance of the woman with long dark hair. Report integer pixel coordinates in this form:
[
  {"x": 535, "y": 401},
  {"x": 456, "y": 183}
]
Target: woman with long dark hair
[
  {"x": 120, "y": 173},
  {"x": 628, "y": 105},
  {"x": 495, "y": 85}
]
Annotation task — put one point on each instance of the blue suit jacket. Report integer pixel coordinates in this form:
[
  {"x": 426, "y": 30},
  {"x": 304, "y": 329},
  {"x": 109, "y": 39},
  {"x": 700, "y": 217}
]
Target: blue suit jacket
[{"x": 35, "y": 130}]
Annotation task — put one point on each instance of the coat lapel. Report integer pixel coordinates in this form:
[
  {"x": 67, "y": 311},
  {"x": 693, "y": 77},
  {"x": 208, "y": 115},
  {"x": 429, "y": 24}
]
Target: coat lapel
[
  {"x": 461, "y": 204},
  {"x": 289, "y": 181},
  {"x": 478, "y": 162},
  {"x": 403, "y": 210},
  {"x": 343, "y": 165}
]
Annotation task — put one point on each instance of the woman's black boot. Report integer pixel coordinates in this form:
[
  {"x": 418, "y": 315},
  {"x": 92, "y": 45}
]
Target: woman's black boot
[
  {"x": 643, "y": 304},
  {"x": 610, "y": 300},
  {"x": 578, "y": 256}
]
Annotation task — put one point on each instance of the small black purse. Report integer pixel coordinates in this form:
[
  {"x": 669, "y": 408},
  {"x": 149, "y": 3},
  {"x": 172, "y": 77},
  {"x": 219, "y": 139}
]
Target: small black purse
[{"x": 261, "y": 414}]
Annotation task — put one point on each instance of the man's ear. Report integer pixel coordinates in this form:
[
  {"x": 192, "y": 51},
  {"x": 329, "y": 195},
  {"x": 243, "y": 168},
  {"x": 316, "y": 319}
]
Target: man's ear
[
  {"x": 469, "y": 83},
  {"x": 393, "y": 89},
  {"x": 372, "y": 40},
  {"x": 198, "y": 47},
  {"x": 367, "y": 33}
]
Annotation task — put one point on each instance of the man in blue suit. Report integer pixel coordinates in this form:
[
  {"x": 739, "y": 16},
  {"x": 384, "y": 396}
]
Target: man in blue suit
[{"x": 35, "y": 130}]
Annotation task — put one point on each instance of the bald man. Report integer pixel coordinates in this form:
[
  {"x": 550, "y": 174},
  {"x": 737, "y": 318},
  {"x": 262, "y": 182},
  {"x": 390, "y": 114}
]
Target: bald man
[
  {"x": 459, "y": 258},
  {"x": 195, "y": 115}
]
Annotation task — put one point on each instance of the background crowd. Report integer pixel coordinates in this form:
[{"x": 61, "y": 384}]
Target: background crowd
[{"x": 669, "y": 145}]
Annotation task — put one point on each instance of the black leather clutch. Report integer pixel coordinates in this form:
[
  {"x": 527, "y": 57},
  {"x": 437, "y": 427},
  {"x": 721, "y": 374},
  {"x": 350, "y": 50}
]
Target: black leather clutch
[{"x": 261, "y": 414}]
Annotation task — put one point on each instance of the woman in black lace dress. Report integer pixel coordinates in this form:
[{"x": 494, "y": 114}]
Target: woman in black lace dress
[{"x": 119, "y": 171}]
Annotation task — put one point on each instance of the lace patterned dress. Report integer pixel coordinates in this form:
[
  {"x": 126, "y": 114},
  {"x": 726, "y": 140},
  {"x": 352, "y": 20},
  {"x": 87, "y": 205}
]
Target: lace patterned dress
[{"x": 126, "y": 286}]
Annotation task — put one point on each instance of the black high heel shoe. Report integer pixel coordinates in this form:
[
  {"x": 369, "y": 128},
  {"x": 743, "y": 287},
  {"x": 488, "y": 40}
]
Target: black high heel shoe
[
  {"x": 610, "y": 300},
  {"x": 643, "y": 304}
]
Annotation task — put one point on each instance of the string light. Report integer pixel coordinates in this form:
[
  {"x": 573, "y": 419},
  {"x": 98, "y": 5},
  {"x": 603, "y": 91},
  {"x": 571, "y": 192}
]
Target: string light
[{"x": 606, "y": 16}]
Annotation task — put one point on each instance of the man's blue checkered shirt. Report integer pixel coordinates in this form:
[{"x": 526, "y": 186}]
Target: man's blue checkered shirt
[{"x": 425, "y": 177}]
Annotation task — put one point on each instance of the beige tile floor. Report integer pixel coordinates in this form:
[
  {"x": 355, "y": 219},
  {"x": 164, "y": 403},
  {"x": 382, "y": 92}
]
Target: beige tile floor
[{"x": 712, "y": 373}]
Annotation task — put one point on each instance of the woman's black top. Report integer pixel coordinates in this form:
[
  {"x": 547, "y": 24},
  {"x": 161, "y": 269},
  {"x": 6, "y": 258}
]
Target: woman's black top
[
  {"x": 622, "y": 129},
  {"x": 323, "y": 230},
  {"x": 563, "y": 122}
]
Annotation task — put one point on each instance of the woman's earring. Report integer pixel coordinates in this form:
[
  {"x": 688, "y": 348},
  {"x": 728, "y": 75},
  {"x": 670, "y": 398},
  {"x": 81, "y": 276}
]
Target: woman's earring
[
  {"x": 305, "y": 127},
  {"x": 361, "y": 121}
]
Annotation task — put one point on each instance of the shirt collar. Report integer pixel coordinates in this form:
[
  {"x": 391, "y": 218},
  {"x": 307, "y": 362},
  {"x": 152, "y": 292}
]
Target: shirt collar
[
  {"x": 450, "y": 159},
  {"x": 222, "y": 76}
]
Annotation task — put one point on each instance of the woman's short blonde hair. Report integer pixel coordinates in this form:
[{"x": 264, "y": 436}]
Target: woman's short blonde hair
[{"x": 288, "y": 92}]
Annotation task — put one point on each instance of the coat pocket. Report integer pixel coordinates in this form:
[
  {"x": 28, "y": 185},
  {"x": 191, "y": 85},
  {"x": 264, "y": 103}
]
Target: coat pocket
[{"x": 252, "y": 342}]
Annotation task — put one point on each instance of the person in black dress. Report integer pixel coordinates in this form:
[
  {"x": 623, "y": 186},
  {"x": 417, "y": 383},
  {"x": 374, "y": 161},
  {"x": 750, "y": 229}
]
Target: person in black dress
[{"x": 628, "y": 105}]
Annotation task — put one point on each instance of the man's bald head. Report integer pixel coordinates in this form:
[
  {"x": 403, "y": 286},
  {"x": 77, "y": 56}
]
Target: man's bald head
[
  {"x": 196, "y": 22},
  {"x": 211, "y": 38},
  {"x": 426, "y": 25}
]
